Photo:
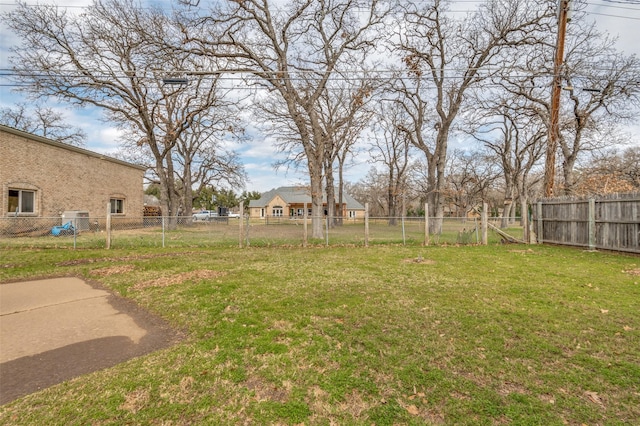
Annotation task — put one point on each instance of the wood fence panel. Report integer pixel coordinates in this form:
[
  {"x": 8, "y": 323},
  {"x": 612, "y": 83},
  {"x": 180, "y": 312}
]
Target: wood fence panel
[{"x": 615, "y": 221}]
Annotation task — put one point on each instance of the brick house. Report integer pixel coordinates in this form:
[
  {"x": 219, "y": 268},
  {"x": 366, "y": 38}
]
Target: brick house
[
  {"x": 44, "y": 178},
  {"x": 289, "y": 201}
]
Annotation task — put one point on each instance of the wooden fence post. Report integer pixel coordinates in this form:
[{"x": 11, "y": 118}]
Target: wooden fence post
[
  {"x": 524, "y": 220},
  {"x": 426, "y": 224},
  {"x": 592, "y": 224},
  {"x": 539, "y": 227},
  {"x": 484, "y": 217},
  {"x": 108, "y": 243},
  {"x": 366, "y": 224}
]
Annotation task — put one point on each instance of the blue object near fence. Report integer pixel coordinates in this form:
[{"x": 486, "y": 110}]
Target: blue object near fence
[{"x": 66, "y": 229}]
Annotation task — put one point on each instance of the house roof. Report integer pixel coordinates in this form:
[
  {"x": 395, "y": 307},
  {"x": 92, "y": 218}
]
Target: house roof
[
  {"x": 66, "y": 146},
  {"x": 299, "y": 195}
]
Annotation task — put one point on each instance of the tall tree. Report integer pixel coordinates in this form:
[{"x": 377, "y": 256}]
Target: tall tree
[
  {"x": 293, "y": 51},
  {"x": 445, "y": 58},
  {"x": 42, "y": 121},
  {"x": 343, "y": 114}
]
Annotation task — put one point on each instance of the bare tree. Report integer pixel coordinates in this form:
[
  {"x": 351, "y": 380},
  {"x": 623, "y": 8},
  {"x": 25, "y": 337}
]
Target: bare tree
[
  {"x": 600, "y": 89},
  {"x": 343, "y": 114},
  {"x": 42, "y": 121},
  {"x": 293, "y": 51},
  {"x": 202, "y": 157},
  {"x": 447, "y": 57},
  {"x": 514, "y": 133},
  {"x": 609, "y": 172},
  {"x": 112, "y": 56},
  {"x": 372, "y": 189},
  {"x": 470, "y": 177},
  {"x": 391, "y": 148}
]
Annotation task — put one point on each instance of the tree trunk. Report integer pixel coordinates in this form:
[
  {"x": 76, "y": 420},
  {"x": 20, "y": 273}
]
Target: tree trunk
[
  {"x": 340, "y": 217},
  {"x": 391, "y": 198},
  {"x": 508, "y": 205},
  {"x": 187, "y": 190},
  {"x": 440, "y": 159},
  {"x": 568, "y": 173},
  {"x": 331, "y": 196}
]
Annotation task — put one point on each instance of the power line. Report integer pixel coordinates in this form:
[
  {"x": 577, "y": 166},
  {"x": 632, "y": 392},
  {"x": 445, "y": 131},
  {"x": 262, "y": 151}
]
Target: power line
[
  {"x": 613, "y": 16},
  {"x": 611, "y": 6}
]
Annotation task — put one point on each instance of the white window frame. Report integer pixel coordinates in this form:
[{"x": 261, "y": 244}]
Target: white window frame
[
  {"x": 117, "y": 200},
  {"x": 22, "y": 200},
  {"x": 352, "y": 214},
  {"x": 277, "y": 211}
]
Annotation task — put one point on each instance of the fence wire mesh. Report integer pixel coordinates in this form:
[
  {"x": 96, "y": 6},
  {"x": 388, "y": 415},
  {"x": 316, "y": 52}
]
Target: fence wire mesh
[{"x": 131, "y": 232}]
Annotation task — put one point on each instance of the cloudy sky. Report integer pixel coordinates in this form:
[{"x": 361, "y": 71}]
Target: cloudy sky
[{"x": 619, "y": 17}]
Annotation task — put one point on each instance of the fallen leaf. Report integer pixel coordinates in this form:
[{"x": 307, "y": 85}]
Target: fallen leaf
[
  {"x": 627, "y": 328},
  {"x": 594, "y": 397},
  {"x": 604, "y": 311},
  {"x": 413, "y": 410}
]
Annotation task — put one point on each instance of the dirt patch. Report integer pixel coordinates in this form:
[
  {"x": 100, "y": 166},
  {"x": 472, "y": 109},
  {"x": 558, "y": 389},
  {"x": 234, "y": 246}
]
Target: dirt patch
[
  {"x": 202, "y": 274},
  {"x": 633, "y": 272},
  {"x": 267, "y": 391},
  {"x": 527, "y": 251},
  {"x": 113, "y": 270}
]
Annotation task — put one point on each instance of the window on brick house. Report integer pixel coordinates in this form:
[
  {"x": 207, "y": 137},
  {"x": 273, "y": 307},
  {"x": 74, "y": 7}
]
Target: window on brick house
[
  {"x": 117, "y": 205},
  {"x": 21, "y": 201}
]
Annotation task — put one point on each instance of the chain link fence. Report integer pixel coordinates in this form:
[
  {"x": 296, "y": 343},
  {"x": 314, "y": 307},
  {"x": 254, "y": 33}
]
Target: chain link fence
[{"x": 121, "y": 232}]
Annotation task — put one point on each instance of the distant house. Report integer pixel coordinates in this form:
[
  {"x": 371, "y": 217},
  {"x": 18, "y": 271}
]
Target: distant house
[
  {"x": 44, "y": 178},
  {"x": 290, "y": 201}
]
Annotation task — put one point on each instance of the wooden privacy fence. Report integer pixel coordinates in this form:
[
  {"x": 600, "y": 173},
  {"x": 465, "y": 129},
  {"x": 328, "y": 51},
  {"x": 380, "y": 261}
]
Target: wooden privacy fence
[{"x": 608, "y": 223}]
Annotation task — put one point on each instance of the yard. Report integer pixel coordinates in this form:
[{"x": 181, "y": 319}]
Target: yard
[{"x": 388, "y": 334}]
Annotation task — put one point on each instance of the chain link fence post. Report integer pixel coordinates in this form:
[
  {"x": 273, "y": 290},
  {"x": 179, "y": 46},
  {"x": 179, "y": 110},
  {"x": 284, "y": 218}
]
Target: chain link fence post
[{"x": 108, "y": 226}]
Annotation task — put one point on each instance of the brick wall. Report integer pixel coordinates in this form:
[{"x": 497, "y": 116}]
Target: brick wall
[{"x": 65, "y": 177}]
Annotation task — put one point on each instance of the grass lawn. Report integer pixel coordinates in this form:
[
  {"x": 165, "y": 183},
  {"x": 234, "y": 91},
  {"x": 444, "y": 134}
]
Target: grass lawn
[{"x": 383, "y": 335}]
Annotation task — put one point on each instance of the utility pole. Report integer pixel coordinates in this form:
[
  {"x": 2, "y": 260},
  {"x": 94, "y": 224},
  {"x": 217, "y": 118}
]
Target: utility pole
[{"x": 554, "y": 127}]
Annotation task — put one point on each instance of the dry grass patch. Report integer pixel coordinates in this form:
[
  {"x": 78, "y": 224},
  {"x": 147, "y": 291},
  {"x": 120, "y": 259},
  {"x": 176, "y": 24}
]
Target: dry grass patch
[
  {"x": 135, "y": 401},
  {"x": 635, "y": 271},
  {"x": 86, "y": 261},
  {"x": 201, "y": 274},
  {"x": 527, "y": 251},
  {"x": 113, "y": 270}
]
